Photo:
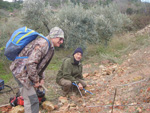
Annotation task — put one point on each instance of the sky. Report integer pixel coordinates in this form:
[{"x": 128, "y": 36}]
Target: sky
[
  {"x": 11, "y": 0},
  {"x": 145, "y": 1},
  {"x": 8, "y": 0},
  {"x": 141, "y": 0}
]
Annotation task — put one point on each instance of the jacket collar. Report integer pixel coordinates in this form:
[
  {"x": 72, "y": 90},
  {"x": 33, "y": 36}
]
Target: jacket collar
[
  {"x": 52, "y": 46},
  {"x": 51, "y": 43}
]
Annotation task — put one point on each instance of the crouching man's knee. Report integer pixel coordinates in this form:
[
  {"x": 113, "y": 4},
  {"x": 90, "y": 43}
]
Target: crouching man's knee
[{"x": 66, "y": 84}]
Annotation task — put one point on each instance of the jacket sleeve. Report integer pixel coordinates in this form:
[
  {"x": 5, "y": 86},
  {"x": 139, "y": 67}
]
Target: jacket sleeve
[
  {"x": 32, "y": 62},
  {"x": 42, "y": 76},
  {"x": 82, "y": 77},
  {"x": 67, "y": 68}
]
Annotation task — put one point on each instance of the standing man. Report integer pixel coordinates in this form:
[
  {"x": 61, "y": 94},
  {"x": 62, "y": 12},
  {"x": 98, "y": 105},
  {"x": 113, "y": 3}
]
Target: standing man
[
  {"x": 71, "y": 71},
  {"x": 29, "y": 72}
]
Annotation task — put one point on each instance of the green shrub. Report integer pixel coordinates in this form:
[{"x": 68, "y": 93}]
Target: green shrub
[
  {"x": 104, "y": 2},
  {"x": 9, "y": 5},
  {"x": 77, "y": 24},
  {"x": 140, "y": 21},
  {"x": 35, "y": 15},
  {"x": 6, "y": 30},
  {"x": 108, "y": 20},
  {"x": 81, "y": 26},
  {"x": 94, "y": 25},
  {"x": 5, "y": 73},
  {"x": 129, "y": 11}
]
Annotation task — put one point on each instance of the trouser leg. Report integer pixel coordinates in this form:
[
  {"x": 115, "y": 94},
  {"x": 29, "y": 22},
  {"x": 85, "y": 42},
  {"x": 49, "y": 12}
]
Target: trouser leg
[
  {"x": 31, "y": 102},
  {"x": 66, "y": 84}
]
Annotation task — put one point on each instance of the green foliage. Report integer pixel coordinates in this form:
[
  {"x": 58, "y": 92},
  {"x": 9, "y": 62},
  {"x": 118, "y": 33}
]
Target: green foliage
[
  {"x": 58, "y": 58},
  {"x": 129, "y": 11},
  {"x": 140, "y": 21},
  {"x": 133, "y": 0},
  {"x": 77, "y": 24},
  {"x": 35, "y": 15},
  {"x": 122, "y": 45},
  {"x": 5, "y": 5},
  {"x": 108, "y": 20},
  {"x": 5, "y": 74},
  {"x": 6, "y": 77},
  {"x": 55, "y": 64},
  {"x": 8, "y": 26},
  {"x": 81, "y": 26},
  {"x": 6, "y": 29},
  {"x": 104, "y": 2},
  {"x": 75, "y": 2},
  {"x": 9, "y": 5}
]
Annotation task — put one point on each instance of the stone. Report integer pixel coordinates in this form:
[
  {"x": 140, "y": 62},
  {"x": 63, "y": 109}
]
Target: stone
[
  {"x": 63, "y": 99},
  {"x": 72, "y": 105},
  {"x": 85, "y": 75},
  {"x": 47, "y": 105},
  {"x": 17, "y": 109}
]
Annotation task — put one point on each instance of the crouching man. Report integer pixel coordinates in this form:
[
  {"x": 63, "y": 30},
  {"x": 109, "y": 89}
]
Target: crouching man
[{"x": 71, "y": 71}]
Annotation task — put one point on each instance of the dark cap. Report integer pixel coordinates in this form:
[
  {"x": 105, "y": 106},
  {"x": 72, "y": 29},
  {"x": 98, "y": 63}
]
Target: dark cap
[{"x": 78, "y": 50}]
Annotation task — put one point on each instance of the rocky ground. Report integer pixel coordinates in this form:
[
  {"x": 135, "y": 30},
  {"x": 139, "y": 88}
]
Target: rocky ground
[{"x": 116, "y": 88}]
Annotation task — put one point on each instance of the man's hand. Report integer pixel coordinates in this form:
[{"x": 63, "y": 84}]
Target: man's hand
[
  {"x": 36, "y": 85},
  {"x": 80, "y": 86},
  {"x": 41, "y": 82}
]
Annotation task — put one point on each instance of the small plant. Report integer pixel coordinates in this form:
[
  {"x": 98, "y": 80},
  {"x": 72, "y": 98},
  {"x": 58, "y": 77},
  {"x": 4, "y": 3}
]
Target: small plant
[{"x": 129, "y": 11}]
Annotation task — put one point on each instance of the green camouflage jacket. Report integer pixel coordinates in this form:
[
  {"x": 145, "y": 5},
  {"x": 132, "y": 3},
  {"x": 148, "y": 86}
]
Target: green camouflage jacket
[
  {"x": 69, "y": 70},
  {"x": 31, "y": 69}
]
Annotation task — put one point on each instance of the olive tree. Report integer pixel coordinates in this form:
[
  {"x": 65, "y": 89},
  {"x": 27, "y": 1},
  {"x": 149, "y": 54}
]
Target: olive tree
[
  {"x": 81, "y": 26},
  {"x": 35, "y": 15}
]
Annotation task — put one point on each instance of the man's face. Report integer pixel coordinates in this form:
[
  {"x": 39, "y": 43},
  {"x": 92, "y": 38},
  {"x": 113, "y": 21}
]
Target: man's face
[
  {"x": 57, "y": 41},
  {"x": 78, "y": 56}
]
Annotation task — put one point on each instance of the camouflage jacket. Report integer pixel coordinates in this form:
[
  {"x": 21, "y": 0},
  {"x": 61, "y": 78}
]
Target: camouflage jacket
[{"x": 30, "y": 70}]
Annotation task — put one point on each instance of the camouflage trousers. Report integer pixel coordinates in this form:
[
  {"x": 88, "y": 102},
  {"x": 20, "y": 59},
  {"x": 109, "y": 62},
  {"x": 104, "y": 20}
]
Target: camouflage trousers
[
  {"x": 67, "y": 84},
  {"x": 31, "y": 102}
]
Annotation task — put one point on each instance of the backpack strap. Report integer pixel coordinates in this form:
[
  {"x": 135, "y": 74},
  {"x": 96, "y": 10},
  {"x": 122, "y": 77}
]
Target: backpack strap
[
  {"x": 21, "y": 57},
  {"x": 45, "y": 39}
]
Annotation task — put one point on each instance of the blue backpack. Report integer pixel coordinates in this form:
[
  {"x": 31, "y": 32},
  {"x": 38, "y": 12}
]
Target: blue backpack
[{"x": 19, "y": 39}]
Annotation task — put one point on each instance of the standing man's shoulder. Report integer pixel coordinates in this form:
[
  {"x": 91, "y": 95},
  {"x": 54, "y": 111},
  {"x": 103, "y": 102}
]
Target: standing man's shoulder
[{"x": 43, "y": 44}]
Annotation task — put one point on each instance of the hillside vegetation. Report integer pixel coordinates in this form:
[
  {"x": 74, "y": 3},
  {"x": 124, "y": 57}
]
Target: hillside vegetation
[{"x": 115, "y": 38}]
